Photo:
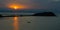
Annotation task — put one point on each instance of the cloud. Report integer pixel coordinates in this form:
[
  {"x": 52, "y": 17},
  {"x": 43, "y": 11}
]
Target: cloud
[{"x": 32, "y": 3}]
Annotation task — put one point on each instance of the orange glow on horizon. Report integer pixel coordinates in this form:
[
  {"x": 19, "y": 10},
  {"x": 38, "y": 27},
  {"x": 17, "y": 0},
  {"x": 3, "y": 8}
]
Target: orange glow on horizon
[{"x": 17, "y": 6}]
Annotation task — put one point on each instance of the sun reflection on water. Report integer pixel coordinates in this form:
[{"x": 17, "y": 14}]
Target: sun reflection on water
[{"x": 15, "y": 23}]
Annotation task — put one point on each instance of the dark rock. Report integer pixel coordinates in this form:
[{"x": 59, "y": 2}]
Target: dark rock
[
  {"x": 28, "y": 22},
  {"x": 45, "y": 14},
  {"x": 1, "y": 15}
]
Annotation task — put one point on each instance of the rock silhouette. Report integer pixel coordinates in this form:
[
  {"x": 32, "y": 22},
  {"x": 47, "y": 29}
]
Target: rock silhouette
[
  {"x": 44, "y": 14},
  {"x": 1, "y": 15},
  {"x": 28, "y": 22}
]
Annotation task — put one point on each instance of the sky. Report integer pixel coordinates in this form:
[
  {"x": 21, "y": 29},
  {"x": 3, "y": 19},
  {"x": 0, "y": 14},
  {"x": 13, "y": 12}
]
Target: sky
[{"x": 35, "y": 4}]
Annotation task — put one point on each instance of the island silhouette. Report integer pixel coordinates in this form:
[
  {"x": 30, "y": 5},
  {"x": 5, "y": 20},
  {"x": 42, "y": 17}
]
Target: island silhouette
[{"x": 44, "y": 14}]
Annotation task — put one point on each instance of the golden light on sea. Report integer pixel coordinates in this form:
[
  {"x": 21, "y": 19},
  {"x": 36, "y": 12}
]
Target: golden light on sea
[
  {"x": 15, "y": 24},
  {"x": 17, "y": 6}
]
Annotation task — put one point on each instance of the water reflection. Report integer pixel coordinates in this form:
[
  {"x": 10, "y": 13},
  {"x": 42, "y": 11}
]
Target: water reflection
[{"x": 15, "y": 23}]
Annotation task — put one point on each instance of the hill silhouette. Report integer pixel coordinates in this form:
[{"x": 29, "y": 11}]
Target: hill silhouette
[{"x": 44, "y": 14}]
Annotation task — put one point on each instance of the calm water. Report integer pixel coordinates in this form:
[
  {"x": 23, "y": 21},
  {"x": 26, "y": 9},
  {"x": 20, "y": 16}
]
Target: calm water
[{"x": 30, "y": 23}]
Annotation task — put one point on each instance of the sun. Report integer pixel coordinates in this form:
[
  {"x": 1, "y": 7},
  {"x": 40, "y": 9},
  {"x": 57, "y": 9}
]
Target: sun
[{"x": 16, "y": 6}]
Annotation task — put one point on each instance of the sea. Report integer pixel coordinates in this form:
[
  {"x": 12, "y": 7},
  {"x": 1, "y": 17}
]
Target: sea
[{"x": 30, "y": 23}]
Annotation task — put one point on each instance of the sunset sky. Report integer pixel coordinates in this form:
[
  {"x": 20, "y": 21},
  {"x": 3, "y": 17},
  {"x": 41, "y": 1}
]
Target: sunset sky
[{"x": 32, "y": 4}]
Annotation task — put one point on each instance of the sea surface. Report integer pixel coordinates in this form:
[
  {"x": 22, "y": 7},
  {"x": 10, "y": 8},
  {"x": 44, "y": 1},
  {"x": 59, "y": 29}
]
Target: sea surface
[{"x": 30, "y": 23}]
